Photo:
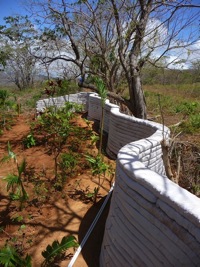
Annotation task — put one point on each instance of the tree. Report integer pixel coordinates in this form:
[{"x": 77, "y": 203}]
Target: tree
[
  {"x": 115, "y": 39},
  {"x": 195, "y": 66},
  {"x": 16, "y": 44}
]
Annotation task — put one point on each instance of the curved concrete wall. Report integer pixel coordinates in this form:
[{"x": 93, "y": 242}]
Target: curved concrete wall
[
  {"x": 107, "y": 115},
  {"x": 94, "y": 107},
  {"x": 79, "y": 98},
  {"x": 152, "y": 221}
]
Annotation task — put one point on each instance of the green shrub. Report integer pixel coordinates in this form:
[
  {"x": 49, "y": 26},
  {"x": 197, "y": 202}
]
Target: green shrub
[
  {"x": 68, "y": 162},
  {"x": 195, "y": 121},
  {"x": 97, "y": 164},
  {"x": 29, "y": 141},
  {"x": 187, "y": 108},
  {"x": 4, "y": 95},
  {"x": 191, "y": 125}
]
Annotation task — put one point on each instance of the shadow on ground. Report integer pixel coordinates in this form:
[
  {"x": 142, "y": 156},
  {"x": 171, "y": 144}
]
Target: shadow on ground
[{"x": 92, "y": 248}]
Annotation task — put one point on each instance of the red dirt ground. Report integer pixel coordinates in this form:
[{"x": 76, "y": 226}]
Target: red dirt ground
[{"x": 49, "y": 216}]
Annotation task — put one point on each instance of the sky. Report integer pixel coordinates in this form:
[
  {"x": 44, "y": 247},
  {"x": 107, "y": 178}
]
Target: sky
[
  {"x": 9, "y": 8},
  {"x": 14, "y": 7}
]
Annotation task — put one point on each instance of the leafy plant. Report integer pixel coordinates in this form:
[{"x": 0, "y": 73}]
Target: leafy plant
[
  {"x": 187, "y": 108},
  {"x": 57, "y": 249},
  {"x": 98, "y": 167},
  {"x": 54, "y": 126},
  {"x": 29, "y": 141},
  {"x": 14, "y": 181},
  {"x": 93, "y": 195},
  {"x": 41, "y": 191},
  {"x": 191, "y": 125},
  {"x": 67, "y": 162},
  {"x": 6, "y": 109},
  {"x": 195, "y": 189},
  {"x": 4, "y": 95},
  {"x": 195, "y": 121},
  {"x": 94, "y": 139},
  {"x": 9, "y": 257},
  {"x": 97, "y": 164},
  {"x": 17, "y": 218},
  {"x": 87, "y": 122}
]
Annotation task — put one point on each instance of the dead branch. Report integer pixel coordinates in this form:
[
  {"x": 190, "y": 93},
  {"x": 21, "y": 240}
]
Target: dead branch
[
  {"x": 177, "y": 124},
  {"x": 166, "y": 160}
]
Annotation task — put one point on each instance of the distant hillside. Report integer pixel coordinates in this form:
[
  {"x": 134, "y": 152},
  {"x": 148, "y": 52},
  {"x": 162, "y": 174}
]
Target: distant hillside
[{"x": 5, "y": 82}]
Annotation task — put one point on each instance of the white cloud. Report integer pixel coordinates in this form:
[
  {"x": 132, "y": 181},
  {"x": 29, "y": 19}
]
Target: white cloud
[{"x": 179, "y": 56}]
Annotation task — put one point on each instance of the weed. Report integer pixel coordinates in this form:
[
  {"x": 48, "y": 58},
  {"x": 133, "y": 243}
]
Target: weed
[
  {"x": 17, "y": 218},
  {"x": 81, "y": 134},
  {"x": 186, "y": 108},
  {"x": 94, "y": 139},
  {"x": 93, "y": 195},
  {"x": 87, "y": 122},
  {"x": 21, "y": 228},
  {"x": 7, "y": 106},
  {"x": 56, "y": 250},
  {"x": 98, "y": 167},
  {"x": 29, "y": 141},
  {"x": 55, "y": 126},
  {"x": 41, "y": 191},
  {"x": 195, "y": 189},
  {"x": 191, "y": 125},
  {"x": 195, "y": 121},
  {"x": 97, "y": 164},
  {"x": 30, "y": 216},
  {"x": 3, "y": 96},
  {"x": 67, "y": 163},
  {"x": 14, "y": 181},
  {"x": 10, "y": 257},
  {"x": 111, "y": 173}
]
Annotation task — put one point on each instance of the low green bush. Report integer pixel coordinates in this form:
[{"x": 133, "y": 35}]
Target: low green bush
[{"x": 187, "y": 107}]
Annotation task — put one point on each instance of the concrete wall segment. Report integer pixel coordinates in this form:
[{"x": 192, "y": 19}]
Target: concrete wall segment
[{"x": 152, "y": 221}]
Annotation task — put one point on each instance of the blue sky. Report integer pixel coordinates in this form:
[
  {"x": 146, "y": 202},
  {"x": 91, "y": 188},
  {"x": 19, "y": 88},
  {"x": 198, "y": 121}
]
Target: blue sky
[
  {"x": 10, "y": 8},
  {"x": 14, "y": 7}
]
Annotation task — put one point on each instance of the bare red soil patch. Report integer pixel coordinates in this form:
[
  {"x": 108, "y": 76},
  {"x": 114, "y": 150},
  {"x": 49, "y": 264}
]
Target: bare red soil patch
[{"x": 50, "y": 214}]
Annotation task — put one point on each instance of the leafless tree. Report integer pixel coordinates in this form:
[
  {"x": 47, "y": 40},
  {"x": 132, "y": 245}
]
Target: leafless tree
[
  {"x": 114, "y": 39},
  {"x": 16, "y": 42}
]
